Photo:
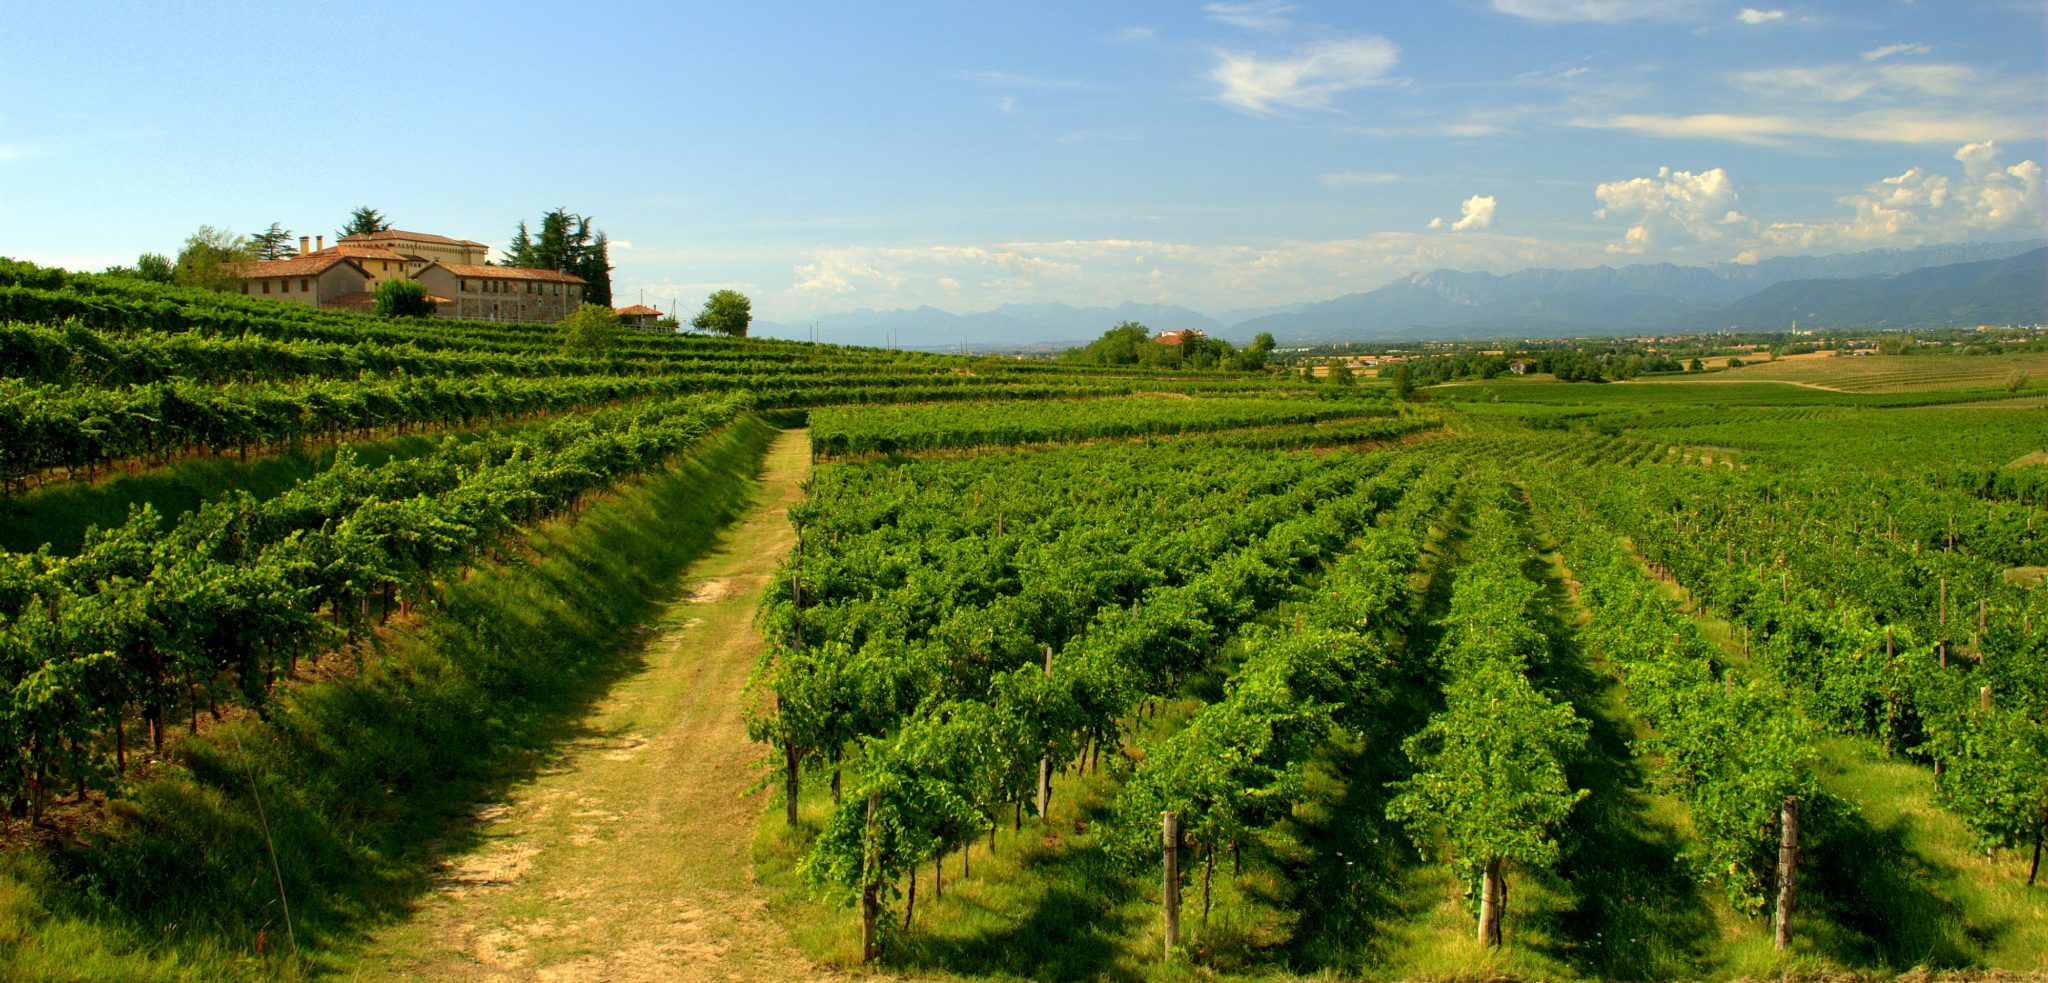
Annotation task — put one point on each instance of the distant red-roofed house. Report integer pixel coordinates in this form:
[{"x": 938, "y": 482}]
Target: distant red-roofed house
[
  {"x": 638, "y": 316},
  {"x": 1177, "y": 337}
]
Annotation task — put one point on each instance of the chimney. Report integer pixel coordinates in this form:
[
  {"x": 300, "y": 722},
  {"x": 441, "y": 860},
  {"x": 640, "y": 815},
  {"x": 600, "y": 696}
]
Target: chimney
[
  {"x": 302, "y": 245},
  {"x": 319, "y": 243}
]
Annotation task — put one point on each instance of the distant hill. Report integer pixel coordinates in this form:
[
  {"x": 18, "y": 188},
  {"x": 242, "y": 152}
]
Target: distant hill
[
  {"x": 1600, "y": 300},
  {"x": 1449, "y": 304},
  {"x": 2000, "y": 291}
]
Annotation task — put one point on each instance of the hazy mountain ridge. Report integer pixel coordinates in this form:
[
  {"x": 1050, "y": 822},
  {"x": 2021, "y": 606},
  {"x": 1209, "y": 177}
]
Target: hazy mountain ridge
[
  {"x": 1999, "y": 291},
  {"x": 1530, "y": 303}
]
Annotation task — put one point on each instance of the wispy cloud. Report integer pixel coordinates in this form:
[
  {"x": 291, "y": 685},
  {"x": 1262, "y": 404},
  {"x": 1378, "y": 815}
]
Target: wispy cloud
[
  {"x": 1255, "y": 15},
  {"x": 1131, "y": 35},
  {"x": 1876, "y": 54},
  {"x": 1306, "y": 81},
  {"x": 1599, "y": 11},
  {"x": 1901, "y": 126},
  {"x": 17, "y": 152},
  {"x": 1753, "y": 16},
  {"x": 1358, "y": 179}
]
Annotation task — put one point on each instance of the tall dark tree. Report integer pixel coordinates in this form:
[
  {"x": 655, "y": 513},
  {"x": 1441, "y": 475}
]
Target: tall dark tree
[
  {"x": 364, "y": 221},
  {"x": 566, "y": 244},
  {"x": 273, "y": 243}
]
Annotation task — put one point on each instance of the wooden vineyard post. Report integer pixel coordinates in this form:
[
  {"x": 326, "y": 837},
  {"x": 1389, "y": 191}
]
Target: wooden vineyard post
[
  {"x": 1492, "y": 895},
  {"x": 1891, "y": 704},
  {"x": 790, "y": 761},
  {"x": 870, "y": 890},
  {"x": 1788, "y": 858},
  {"x": 1169, "y": 835},
  {"x": 1045, "y": 760}
]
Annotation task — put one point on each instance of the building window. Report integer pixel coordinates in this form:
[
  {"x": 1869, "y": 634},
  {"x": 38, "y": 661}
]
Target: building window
[
  {"x": 266, "y": 286},
  {"x": 245, "y": 286},
  {"x": 302, "y": 287},
  {"x": 465, "y": 286}
]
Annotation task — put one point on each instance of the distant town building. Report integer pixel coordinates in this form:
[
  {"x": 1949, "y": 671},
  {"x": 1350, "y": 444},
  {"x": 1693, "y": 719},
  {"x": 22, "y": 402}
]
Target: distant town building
[{"x": 1176, "y": 337}]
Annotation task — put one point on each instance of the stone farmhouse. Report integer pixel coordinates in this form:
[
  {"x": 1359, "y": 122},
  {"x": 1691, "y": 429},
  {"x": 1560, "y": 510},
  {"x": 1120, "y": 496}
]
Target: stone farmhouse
[{"x": 345, "y": 276}]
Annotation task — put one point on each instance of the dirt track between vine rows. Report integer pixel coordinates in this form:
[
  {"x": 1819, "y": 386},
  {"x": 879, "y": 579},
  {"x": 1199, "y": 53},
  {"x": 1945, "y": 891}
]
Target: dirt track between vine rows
[{"x": 627, "y": 859}]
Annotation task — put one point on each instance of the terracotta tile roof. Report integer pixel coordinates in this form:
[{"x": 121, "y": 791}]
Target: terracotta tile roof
[
  {"x": 637, "y": 310},
  {"x": 506, "y": 273},
  {"x": 300, "y": 266},
  {"x": 361, "y": 298},
  {"x": 389, "y": 235},
  {"x": 363, "y": 252}
]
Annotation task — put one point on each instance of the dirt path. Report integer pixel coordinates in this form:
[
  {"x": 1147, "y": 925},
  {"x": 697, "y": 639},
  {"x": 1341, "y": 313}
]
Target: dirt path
[{"x": 628, "y": 860}]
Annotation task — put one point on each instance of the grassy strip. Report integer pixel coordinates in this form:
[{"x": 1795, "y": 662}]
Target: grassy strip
[{"x": 362, "y": 779}]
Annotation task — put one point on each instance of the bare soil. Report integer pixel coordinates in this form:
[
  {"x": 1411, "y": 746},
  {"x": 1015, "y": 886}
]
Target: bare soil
[{"x": 627, "y": 860}]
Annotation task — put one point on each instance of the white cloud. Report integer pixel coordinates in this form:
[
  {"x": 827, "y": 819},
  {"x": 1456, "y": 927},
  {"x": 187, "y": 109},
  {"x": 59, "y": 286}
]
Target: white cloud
[
  {"x": 1255, "y": 15},
  {"x": 1919, "y": 207},
  {"x": 1601, "y": 11},
  {"x": 1006, "y": 104},
  {"x": 1321, "y": 71},
  {"x": 1131, "y": 35},
  {"x": 1753, "y": 16},
  {"x": 1357, "y": 179},
  {"x": 1673, "y": 210},
  {"x": 1876, "y": 54},
  {"x": 1475, "y": 213}
]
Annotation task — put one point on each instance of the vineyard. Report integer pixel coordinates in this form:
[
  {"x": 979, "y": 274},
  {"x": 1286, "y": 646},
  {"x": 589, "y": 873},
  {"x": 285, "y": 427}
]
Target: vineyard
[{"x": 1064, "y": 673}]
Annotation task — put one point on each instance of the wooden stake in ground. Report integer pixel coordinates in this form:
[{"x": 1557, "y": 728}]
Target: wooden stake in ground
[
  {"x": 1492, "y": 892},
  {"x": 1169, "y": 834},
  {"x": 1045, "y": 761},
  {"x": 870, "y": 894},
  {"x": 1788, "y": 858}
]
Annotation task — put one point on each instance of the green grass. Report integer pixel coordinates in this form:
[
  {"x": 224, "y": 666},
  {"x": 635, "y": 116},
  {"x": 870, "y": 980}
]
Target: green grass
[{"x": 365, "y": 778}]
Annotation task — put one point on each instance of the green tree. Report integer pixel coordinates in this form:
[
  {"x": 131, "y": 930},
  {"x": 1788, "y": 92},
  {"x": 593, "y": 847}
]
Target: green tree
[
  {"x": 590, "y": 331},
  {"x": 364, "y": 221},
  {"x": 208, "y": 260},
  {"x": 1404, "y": 380},
  {"x": 1341, "y": 374},
  {"x": 1253, "y": 358},
  {"x": 1695, "y": 366},
  {"x": 725, "y": 312},
  {"x": 154, "y": 267},
  {"x": 404, "y": 298},
  {"x": 273, "y": 243},
  {"x": 566, "y": 244}
]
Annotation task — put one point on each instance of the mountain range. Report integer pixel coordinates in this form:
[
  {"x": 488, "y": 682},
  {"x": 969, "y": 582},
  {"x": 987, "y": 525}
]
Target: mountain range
[{"x": 1920, "y": 287}]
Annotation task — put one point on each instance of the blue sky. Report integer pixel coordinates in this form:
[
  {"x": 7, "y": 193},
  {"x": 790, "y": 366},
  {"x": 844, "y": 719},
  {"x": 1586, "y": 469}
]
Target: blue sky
[{"x": 1224, "y": 156}]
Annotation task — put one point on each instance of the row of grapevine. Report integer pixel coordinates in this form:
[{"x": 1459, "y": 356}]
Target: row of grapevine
[
  {"x": 213, "y": 609},
  {"x": 1729, "y": 744},
  {"x": 1239, "y": 764},
  {"x": 1489, "y": 787},
  {"x": 950, "y": 647},
  {"x": 922, "y": 428}
]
